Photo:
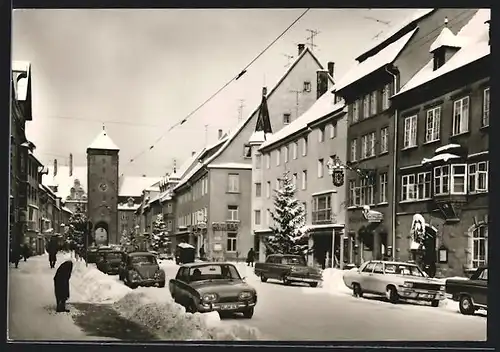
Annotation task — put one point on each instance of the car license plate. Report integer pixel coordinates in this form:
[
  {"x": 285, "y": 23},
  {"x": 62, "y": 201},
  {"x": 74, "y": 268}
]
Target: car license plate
[
  {"x": 228, "y": 306},
  {"x": 426, "y": 295}
]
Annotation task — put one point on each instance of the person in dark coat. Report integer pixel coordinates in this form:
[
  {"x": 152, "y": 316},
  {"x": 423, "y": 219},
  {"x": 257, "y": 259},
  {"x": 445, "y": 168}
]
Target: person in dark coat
[
  {"x": 15, "y": 255},
  {"x": 61, "y": 285},
  {"x": 250, "y": 257},
  {"x": 26, "y": 251},
  {"x": 52, "y": 250},
  {"x": 202, "y": 252}
]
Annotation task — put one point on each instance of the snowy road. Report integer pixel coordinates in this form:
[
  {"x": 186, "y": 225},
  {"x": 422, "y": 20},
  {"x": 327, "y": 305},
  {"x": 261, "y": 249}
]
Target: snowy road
[{"x": 305, "y": 313}]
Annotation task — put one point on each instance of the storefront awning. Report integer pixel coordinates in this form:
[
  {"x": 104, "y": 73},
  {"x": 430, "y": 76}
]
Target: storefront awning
[{"x": 321, "y": 227}]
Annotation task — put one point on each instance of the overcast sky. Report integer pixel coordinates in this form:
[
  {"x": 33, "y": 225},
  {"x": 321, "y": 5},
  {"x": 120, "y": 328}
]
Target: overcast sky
[{"x": 141, "y": 71}]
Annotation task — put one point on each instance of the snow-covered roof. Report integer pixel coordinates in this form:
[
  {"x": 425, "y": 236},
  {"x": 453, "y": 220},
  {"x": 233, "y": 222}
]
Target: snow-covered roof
[
  {"x": 67, "y": 210},
  {"x": 310, "y": 227},
  {"x": 125, "y": 207},
  {"x": 383, "y": 57},
  {"x": 230, "y": 166},
  {"x": 21, "y": 86},
  {"x": 240, "y": 127},
  {"x": 475, "y": 35},
  {"x": 185, "y": 245},
  {"x": 64, "y": 181},
  {"x": 132, "y": 186},
  {"x": 103, "y": 141},
  {"x": 258, "y": 137},
  {"x": 394, "y": 29},
  {"x": 324, "y": 192},
  {"x": 440, "y": 157},
  {"x": 446, "y": 39},
  {"x": 167, "y": 195},
  {"x": 322, "y": 107}
]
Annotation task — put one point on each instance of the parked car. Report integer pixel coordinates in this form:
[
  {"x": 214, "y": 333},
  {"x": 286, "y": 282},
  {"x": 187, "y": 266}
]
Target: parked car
[
  {"x": 141, "y": 269},
  {"x": 207, "y": 286},
  {"x": 92, "y": 254},
  {"x": 472, "y": 294},
  {"x": 109, "y": 261},
  {"x": 395, "y": 281},
  {"x": 289, "y": 269},
  {"x": 184, "y": 253}
]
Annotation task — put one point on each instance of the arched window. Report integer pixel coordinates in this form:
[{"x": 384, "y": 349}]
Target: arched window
[{"x": 479, "y": 245}]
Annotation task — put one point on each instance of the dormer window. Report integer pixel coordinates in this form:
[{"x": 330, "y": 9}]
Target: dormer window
[
  {"x": 439, "y": 59},
  {"x": 247, "y": 151}
]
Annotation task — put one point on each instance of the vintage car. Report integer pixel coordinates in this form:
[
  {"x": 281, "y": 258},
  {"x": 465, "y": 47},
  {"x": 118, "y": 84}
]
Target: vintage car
[
  {"x": 205, "y": 287},
  {"x": 184, "y": 253},
  {"x": 395, "y": 280},
  {"x": 472, "y": 294},
  {"x": 289, "y": 269},
  {"x": 141, "y": 269},
  {"x": 109, "y": 261}
]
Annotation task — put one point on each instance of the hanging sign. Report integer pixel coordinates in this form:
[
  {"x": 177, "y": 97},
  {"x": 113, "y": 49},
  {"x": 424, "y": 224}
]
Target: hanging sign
[{"x": 338, "y": 177}]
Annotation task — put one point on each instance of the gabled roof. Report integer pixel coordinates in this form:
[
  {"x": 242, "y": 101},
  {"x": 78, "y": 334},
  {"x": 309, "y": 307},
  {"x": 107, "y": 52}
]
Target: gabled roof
[
  {"x": 132, "y": 186},
  {"x": 64, "y": 181},
  {"x": 240, "y": 127},
  {"x": 475, "y": 35},
  {"x": 387, "y": 35},
  {"x": 446, "y": 39},
  {"x": 322, "y": 107},
  {"x": 384, "y": 57},
  {"x": 103, "y": 141},
  {"x": 21, "y": 85}
]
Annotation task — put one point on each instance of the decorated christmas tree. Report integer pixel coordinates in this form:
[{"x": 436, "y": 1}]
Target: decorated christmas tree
[
  {"x": 78, "y": 223},
  {"x": 159, "y": 239},
  {"x": 289, "y": 219}
]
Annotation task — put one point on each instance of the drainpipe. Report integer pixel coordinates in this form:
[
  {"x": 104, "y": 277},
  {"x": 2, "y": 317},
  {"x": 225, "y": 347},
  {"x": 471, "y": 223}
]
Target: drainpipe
[{"x": 394, "y": 168}]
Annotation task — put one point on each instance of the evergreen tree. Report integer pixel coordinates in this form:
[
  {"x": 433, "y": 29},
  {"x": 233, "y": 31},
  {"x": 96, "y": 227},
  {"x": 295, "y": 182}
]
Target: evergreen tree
[
  {"x": 289, "y": 219},
  {"x": 78, "y": 223},
  {"x": 159, "y": 239}
]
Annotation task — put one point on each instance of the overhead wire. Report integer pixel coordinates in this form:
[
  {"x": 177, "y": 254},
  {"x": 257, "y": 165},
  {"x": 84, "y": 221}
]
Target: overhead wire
[{"x": 240, "y": 74}]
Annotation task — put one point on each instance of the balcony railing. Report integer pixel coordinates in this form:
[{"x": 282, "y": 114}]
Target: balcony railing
[{"x": 324, "y": 216}]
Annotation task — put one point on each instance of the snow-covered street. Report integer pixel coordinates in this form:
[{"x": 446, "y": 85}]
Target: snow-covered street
[{"x": 327, "y": 313}]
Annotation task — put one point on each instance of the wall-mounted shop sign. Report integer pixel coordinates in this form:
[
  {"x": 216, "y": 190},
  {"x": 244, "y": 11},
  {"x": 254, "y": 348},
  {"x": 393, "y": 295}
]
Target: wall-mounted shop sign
[
  {"x": 225, "y": 226},
  {"x": 372, "y": 215}
]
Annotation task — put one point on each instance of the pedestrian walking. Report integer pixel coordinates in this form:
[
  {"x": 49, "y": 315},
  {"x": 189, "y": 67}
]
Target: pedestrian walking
[
  {"x": 52, "y": 250},
  {"x": 15, "y": 255},
  {"x": 26, "y": 251},
  {"x": 250, "y": 257},
  {"x": 61, "y": 285},
  {"x": 202, "y": 252}
]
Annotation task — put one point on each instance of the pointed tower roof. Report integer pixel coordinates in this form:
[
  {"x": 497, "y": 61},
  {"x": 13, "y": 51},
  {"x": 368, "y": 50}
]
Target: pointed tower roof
[
  {"x": 103, "y": 141},
  {"x": 263, "y": 125},
  {"x": 446, "y": 39}
]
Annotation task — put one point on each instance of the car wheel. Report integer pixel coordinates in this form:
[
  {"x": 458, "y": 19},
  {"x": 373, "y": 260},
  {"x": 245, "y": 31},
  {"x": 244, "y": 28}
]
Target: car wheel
[
  {"x": 391, "y": 294},
  {"x": 435, "y": 303},
  {"x": 263, "y": 278},
  {"x": 466, "y": 306},
  {"x": 313, "y": 284},
  {"x": 286, "y": 281},
  {"x": 248, "y": 314},
  {"x": 161, "y": 284},
  {"x": 191, "y": 308},
  {"x": 356, "y": 290}
]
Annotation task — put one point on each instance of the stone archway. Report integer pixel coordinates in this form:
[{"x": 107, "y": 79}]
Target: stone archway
[{"x": 101, "y": 233}]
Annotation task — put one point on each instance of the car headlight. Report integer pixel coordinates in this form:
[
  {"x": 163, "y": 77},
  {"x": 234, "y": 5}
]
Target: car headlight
[
  {"x": 159, "y": 273},
  {"x": 408, "y": 284},
  {"x": 134, "y": 274},
  {"x": 245, "y": 295},
  {"x": 442, "y": 288},
  {"x": 209, "y": 297}
]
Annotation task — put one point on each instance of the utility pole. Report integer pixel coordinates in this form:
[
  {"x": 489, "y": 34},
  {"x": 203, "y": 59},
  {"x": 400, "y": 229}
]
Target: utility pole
[
  {"x": 314, "y": 33},
  {"x": 240, "y": 110},
  {"x": 289, "y": 58},
  {"x": 297, "y": 92}
]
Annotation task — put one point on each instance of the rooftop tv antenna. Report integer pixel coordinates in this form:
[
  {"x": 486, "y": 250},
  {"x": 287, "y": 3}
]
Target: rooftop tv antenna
[
  {"x": 289, "y": 58},
  {"x": 310, "y": 39}
]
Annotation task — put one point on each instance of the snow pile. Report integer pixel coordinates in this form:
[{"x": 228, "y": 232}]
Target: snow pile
[
  {"x": 333, "y": 281},
  {"x": 158, "y": 312},
  {"x": 94, "y": 286}
]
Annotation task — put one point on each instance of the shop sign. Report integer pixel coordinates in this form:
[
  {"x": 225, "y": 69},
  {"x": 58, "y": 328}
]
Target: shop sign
[
  {"x": 225, "y": 226},
  {"x": 217, "y": 247},
  {"x": 372, "y": 215}
]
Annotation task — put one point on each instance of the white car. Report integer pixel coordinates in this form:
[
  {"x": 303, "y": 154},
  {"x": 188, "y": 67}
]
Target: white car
[{"x": 395, "y": 281}]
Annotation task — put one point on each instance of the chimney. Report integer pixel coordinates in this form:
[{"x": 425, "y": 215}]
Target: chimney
[
  {"x": 301, "y": 48},
  {"x": 193, "y": 153},
  {"x": 70, "y": 165},
  {"x": 55, "y": 167},
  {"x": 264, "y": 91},
  {"x": 322, "y": 82},
  {"x": 220, "y": 134},
  {"x": 331, "y": 67}
]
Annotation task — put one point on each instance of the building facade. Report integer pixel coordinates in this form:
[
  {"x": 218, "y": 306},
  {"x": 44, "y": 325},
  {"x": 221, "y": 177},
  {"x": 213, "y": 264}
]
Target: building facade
[
  {"x": 20, "y": 113},
  {"x": 224, "y": 178},
  {"x": 378, "y": 74},
  {"x": 102, "y": 181},
  {"x": 442, "y": 153},
  {"x": 305, "y": 149}
]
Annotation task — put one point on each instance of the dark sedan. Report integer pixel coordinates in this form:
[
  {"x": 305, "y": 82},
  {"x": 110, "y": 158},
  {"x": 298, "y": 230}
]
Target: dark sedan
[
  {"x": 141, "y": 269},
  {"x": 206, "y": 287},
  {"x": 109, "y": 261}
]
